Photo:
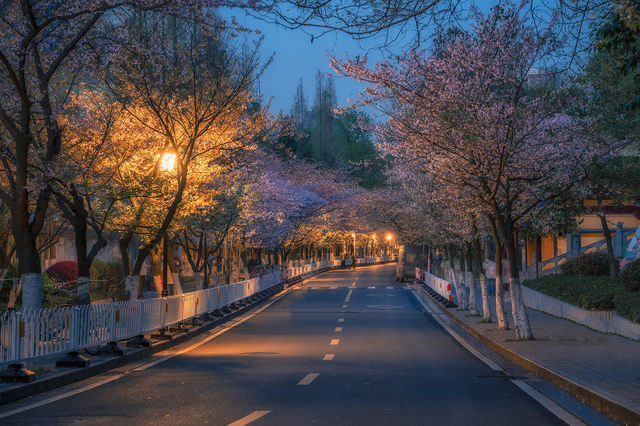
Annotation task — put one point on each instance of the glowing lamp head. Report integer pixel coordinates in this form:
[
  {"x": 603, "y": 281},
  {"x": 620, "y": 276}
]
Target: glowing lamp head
[
  {"x": 167, "y": 161},
  {"x": 388, "y": 237},
  {"x": 373, "y": 236},
  {"x": 353, "y": 235}
]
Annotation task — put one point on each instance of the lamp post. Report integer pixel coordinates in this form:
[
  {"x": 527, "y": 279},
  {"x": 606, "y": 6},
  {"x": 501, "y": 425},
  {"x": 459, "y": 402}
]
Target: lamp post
[
  {"x": 354, "y": 244},
  {"x": 167, "y": 164},
  {"x": 373, "y": 245}
]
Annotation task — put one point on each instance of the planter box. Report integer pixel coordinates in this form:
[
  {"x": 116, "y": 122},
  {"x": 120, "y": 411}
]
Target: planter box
[{"x": 604, "y": 321}]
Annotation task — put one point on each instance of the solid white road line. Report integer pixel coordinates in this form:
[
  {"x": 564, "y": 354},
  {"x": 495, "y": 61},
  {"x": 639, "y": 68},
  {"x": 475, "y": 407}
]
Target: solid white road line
[
  {"x": 109, "y": 379},
  {"x": 328, "y": 357},
  {"x": 340, "y": 319},
  {"x": 389, "y": 287},
  {"x": 334, "y": 342},
  {"x": 547, "y": 403},
  {"x": 308, "y": 379},
  {"x": 467, "y": 346},
  {"x": 346, "y": 299},
  {"x": 338, "y": 330},
  {"x": 250, "y": 418}
]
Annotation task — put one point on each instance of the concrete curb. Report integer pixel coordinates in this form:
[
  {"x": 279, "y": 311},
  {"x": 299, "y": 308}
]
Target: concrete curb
[
  {"x": 62, "y": 378},
  {"x": 616, "y": 410}
]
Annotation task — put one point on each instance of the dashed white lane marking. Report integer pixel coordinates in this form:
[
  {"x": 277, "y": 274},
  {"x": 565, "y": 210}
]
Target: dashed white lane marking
[
  {"x": 340, "y": 319},
  {"x": 308, "y": 379},
  {"x": 332, "y": 288},
  {"x": 250, "y": 418},
  {"x": 334, "y": 342},
  {"x": 338, "y": 330},
  {"x": 354, "y": 284},
  {"x": 345, "y": 306},
  {"x": 389, "y": 287},
  {"x": 547, "y": 403},
  {"x": 346, "y": 299},
  {"x": 212, "y": 335},
  {"x": 328, "y": 357},
  {"x": 371, "y": 287},
  {"x": 314, "y": 288}
]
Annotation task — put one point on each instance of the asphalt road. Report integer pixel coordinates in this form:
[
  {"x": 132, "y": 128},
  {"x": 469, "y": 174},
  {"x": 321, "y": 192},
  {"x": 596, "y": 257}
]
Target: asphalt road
[{"x": 331, "y": 352}]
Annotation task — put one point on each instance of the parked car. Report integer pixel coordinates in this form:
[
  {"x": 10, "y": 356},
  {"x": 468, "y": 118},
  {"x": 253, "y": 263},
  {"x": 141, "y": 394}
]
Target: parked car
[{"x": 409, "y": 256}]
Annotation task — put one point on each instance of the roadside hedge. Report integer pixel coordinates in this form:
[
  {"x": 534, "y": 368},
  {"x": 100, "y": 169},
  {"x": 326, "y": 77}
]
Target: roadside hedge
[
  {"x": 588, "y": 264},
  {"x": 588, "y": 292}
]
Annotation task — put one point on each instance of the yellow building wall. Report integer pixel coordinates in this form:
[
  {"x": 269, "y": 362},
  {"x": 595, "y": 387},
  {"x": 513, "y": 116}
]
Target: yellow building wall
[{"x": 593, "y": 221}]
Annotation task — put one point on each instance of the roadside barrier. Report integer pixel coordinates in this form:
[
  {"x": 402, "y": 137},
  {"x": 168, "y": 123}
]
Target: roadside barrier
[
  {"x": 27, "y": 335},
  {"x": 438, "y": 285}
]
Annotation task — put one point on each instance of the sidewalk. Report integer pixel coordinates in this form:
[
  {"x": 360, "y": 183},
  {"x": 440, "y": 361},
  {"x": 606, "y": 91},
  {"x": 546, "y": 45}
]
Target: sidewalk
[{"x": 607, "y": 365}]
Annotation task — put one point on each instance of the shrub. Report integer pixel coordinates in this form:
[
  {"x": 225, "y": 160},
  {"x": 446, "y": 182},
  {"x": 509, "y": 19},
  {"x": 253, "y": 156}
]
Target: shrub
[
  {"x": 589, "y": 264},
  {"x": 628, "y": 305},
  {"x": 630, "y": 275},
  {"x": 583, "y": 291},
  {"x": 568, "y": 266},
  {"x": 64, "y": 274}
]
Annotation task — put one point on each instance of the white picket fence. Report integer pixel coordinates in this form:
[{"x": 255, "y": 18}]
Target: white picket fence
[{"x": 26, "y": 335}]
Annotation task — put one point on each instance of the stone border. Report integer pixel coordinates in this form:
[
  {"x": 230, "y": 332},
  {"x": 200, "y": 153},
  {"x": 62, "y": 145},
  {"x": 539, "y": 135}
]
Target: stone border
[
  {"x": 603, "y": 321},
  {"x": 616, "y": 410}
]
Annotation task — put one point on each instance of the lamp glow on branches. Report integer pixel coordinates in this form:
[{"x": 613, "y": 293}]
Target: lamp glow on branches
[{"x": 168, "y": 161}]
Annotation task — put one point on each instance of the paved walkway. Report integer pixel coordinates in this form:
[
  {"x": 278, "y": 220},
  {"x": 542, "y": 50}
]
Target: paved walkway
[{"x": 606, "y": 363}]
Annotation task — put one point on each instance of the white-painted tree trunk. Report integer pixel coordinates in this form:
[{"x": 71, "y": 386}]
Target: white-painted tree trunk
[
  {"x": 3, "y": 273},
  {"x": 459, "y": 289},
  {"x": 31, "y": 290},
  {"x": 157, "y": 284},
  {"x": 523, "y": 329},
  {"x": 84, "y": 287},
  {"x": 177, "y": 286},
  {"x": 199, "y": 280},
  {"x": 13, "y": 294},
  {"x": 473, "y": 309},
  {"x": 486, "y": 307},
  {"x": 132, "y": 287}
]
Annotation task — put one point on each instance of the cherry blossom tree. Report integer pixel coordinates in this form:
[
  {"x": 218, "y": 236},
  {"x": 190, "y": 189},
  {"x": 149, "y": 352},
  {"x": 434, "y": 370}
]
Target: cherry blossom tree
[{"x": 484, "y": 121}]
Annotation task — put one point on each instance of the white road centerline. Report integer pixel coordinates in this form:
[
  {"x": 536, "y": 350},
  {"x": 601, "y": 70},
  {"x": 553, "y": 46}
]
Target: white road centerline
[
  {"x": 308, "y": 379},
  {"x": 333, "y": 288},
  {"x": 250, "y": 418},
  {"x": 334, "y": 342},
  {"x": 345, "y": 306},
  {"x": 346, "y": 299},
  {"x": 389, "y": 287},
  {"x": 328, "y": 357},
  {"x": 338, "y": 330},
  {"x": 371, "y": 287},
  {"x": 340, "y": 319}
]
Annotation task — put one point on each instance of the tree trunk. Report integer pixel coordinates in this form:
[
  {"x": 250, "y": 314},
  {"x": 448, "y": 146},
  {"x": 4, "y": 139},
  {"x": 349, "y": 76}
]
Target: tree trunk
[
  {"x": 521, "y": 319},
  {"x": 473, "y": 310},
  {"x": 30, "y": 270},
  {"x": 156, "y": 267},
  {"x": 133, "y": 287},
  {"x": 613, "y": 262},
  {"x": 500, "y": 313},
  {"x": 462, "y": 297},
  {"x": 13, "y": 294},
  {"x": 486, "y": 308},
  {"x": 173, "y": 269}
]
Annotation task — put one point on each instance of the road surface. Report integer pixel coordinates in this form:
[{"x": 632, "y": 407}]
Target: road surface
[{"x": 348, "y": 347}]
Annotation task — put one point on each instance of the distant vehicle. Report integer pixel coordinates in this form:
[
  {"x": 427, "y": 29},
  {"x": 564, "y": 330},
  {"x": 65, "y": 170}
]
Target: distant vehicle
[{"x": 409, "y": 257}]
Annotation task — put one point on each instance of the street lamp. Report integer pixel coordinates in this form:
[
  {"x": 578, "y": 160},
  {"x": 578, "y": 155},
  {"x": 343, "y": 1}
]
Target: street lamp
[
  {"x": 354, "y": 244},
  {"x": 167, "y": 164}
]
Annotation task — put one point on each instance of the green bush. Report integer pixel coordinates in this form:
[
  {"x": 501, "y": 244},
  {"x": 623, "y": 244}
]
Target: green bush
[
  {"x": 630, "y": 275},
  {"x": 101, "y": 273},
  {"x": 588, "y": 264},
  {"x": 583, "y": 291},
  {"x": 628, "y": 305}
]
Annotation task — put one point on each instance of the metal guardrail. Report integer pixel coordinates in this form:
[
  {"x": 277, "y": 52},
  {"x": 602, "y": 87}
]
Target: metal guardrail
[{"x": 27, "y": 335}]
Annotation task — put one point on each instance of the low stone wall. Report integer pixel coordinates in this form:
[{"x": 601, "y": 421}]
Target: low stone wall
[{"x": 604, "y": 321}]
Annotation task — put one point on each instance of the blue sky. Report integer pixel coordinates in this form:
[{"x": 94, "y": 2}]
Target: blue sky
[{"x": 297, "y": 57}]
